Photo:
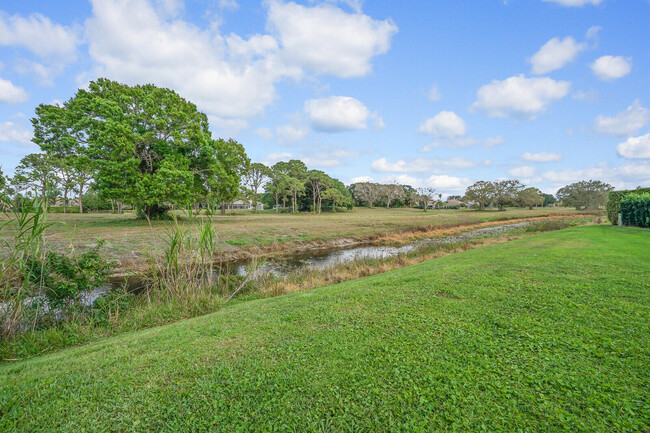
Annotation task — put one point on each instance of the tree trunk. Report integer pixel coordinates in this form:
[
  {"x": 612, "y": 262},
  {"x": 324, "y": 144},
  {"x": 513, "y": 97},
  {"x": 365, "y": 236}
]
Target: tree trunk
[
  {"x": 277, "y": 203},
  {"x": 65, "y": 199},
  {"x": 81, "y": 194},
  {"x": 223, "y": 208},
  {"x": 112, "y": 206}
]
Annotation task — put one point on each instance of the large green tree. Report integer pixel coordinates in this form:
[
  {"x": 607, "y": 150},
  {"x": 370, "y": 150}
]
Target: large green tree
[
  {"x": 530, "y": 197},
  {"x": 588, "y": 194},
  {"x": 219, "y": 181},
  {"x": 149, "y": 146},
  {"x": 506, "y": 192},
  {"x": 295, "y": 172},
  {"x": 481, "y": 192}
]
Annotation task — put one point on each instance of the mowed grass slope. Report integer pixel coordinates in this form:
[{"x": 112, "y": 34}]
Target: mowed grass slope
[{"x": 546, "y": 333}]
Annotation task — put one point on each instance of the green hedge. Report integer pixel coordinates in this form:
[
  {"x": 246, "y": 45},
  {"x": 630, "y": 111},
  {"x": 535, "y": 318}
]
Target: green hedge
[
  {"x": 614, "y": 202},
  {"x": 635, "y": 209}
]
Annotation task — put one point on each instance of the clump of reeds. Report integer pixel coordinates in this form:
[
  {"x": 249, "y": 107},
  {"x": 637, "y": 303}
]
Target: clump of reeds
[
  {"x": 184, "y": 270},
  {"x": 23, "y": 238}
]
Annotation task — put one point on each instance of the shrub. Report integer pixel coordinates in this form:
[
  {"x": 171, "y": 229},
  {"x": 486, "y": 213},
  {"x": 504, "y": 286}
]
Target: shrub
[
  {"x": 64, "y": 277},
  {"x": 635, "y": 209},
  {"x": 614, "y": 202}
]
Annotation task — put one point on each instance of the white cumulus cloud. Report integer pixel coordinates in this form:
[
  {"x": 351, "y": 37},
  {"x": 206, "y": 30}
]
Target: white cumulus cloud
[
  {"x": 625, "y": 176},
  {"x": 337, "y": 113},
  {"x": 39, "y": 35},
  {"x": 608, "y": 68},
  {"x": 635, "y": 147},
  {"x": 422, "y": 165},
  {"x": 11, "y": 93},
  {"x": 520, "y": 96},
  {"x": 448, "y": 184},
  {"x": 325, "y": 39},
  {"x": 11, "y": 132},
  {"x": 625, "y": 123},
  {"x": 523, "y": 172},
  {"x": 541, "y": 157},
  {"x": 555, "y": 54},
  {"x": 445, "y": 124},
  {"x": 229, "y": 76},
  {"x": 290, "y": 133}
]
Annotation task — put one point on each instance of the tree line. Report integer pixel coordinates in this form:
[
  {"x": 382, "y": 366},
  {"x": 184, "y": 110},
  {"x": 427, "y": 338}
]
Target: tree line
[{"x": 590, "y": 194}]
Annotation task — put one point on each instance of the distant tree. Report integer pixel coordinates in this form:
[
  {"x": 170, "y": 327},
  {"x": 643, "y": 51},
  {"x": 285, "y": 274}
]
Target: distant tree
[
  {"x": 224, "y": 175},
  {"x": 393, "y": 192},
  {"x": 254, "y": 177},
  {"x": 481, "y": 192},
  {"x": 82, "y": 175},
  {"x": 549, "y": 199},
  {"x": 425, "y": 195},
  {"x": 590, "y": 194},
  {"x": 506, "y": 192},
  {"x": 37, "y": 172},
  {"x": 334, "y": 195},
  {"x": 455, "y": 197},
  {"x": 295, "y": 172},
  {"x": 277, "y": 185},
  {"x": 410, "y": 194},
  {"x": 530, "y": 197},
  {"x": 367, "y": 192},
  {"x": 318, "y": 182}
]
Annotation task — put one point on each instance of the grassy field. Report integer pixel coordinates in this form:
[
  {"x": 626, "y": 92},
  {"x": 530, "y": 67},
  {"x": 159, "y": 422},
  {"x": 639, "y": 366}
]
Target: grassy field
[
  {"x": 546, "y": 333},
  {"x": 128, "y": 239}
]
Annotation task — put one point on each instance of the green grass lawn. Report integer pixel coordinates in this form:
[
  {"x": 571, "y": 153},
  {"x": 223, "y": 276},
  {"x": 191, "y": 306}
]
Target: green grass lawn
[{"x": 546, "y": 333}]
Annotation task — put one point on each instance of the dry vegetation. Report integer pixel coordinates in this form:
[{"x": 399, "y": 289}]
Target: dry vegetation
[{"x": 129, "y": 241}]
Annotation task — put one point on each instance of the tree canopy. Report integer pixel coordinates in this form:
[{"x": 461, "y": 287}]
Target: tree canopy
[
  {"x": 587, "y": 194},
  {"x": 148, "y": 145}
]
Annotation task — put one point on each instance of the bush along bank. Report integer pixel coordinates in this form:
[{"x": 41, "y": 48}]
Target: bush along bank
[
  {"x": 614, "y": 202},
  {"x": 635, "y": 209}
]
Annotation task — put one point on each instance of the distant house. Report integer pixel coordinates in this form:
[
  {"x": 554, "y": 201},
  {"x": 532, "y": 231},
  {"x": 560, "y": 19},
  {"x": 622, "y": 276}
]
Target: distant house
[
  {"x": 59, "y": 202},
  {"x": 455, "y": 203},
  {"x": 246, "y": 205}
]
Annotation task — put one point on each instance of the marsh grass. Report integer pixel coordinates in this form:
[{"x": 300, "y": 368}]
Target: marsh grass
[{"x": 26, "y": 246}]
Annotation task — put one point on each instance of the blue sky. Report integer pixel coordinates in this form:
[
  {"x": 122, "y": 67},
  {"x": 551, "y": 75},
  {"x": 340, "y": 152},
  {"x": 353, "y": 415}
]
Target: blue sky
[{"x": 435, "y": 93}]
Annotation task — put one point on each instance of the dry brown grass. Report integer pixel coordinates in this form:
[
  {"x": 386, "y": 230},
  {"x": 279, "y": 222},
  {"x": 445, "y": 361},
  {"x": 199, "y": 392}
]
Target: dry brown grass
[{"x": 244, "y": 235}]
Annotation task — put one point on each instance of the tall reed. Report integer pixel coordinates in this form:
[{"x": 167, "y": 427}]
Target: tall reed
[{"x": 22, "y": 235}]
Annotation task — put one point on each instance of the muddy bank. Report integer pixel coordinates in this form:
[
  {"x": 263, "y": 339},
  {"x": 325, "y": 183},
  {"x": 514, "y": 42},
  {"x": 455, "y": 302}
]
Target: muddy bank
[{"x": 279, "y": 250}]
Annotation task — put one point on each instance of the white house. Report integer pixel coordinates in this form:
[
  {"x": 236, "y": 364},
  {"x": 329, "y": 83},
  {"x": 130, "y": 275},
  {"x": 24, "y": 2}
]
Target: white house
[{"x": 246, "y": 205}]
